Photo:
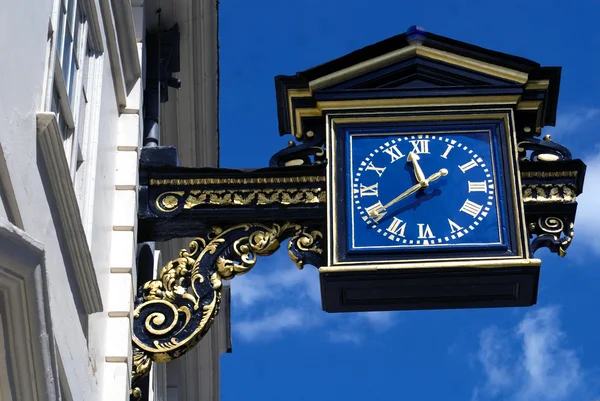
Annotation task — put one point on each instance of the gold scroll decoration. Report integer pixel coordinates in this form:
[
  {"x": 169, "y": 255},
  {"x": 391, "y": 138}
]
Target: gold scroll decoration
[{"x": 174, "y": 312}]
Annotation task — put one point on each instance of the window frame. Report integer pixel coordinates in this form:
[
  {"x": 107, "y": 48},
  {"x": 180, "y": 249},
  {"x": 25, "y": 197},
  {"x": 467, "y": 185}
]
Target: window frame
[{"x": 76, "y": 102}]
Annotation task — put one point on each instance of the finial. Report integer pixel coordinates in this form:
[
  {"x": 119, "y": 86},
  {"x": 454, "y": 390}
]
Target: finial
[{"x": 415, "y": 34}]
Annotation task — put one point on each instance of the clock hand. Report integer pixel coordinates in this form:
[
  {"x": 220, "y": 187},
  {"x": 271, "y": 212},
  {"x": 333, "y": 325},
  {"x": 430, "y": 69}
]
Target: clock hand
[
  {"x": 414, "y": 159},
  {"x": 435, "y": 176}
]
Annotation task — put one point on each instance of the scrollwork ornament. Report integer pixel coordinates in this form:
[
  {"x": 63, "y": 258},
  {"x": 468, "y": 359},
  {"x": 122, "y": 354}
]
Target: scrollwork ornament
[
  {"x": 310, "y": 151},
  {"x": 175, "y": 311},
  {"x": 533, "y": 149},
  {"x": 553, "y": 233},
  {"x": 310, "y": 244},
  {"x": 168, "y": 202}
]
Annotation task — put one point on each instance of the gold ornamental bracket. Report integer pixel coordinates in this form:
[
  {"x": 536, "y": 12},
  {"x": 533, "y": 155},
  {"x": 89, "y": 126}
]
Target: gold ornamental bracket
[{"x": 174, "y": 312}]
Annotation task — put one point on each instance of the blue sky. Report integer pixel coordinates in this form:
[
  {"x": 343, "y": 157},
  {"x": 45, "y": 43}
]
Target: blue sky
[{"x": 285, "y": 347}]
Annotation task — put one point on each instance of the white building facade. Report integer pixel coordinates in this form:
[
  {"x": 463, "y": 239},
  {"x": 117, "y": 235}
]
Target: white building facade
[{"x": 71, "y": 104}]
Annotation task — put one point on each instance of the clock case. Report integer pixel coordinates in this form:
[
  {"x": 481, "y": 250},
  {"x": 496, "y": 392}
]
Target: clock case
[
  {"x": 423, "y": 76},
  {"x": 505, "y": 276}
]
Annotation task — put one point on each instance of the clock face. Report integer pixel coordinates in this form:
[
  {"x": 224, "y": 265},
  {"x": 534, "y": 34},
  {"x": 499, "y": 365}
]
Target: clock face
[{"x": 415, "y": 190}]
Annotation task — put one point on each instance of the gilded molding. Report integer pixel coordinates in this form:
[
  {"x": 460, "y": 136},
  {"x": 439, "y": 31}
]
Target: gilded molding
[
  {"x": 169, "y": 201},
  {"x": 424, "y": 51},
  {"x": 174, "y": 312},
  {"x": 237, "y": 181},
  {"x": 548, "y": 193},
  {"x": 548, "y": 174}
]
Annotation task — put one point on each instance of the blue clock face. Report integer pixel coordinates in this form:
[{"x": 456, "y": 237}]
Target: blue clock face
[{"x": 411, "y": 190}]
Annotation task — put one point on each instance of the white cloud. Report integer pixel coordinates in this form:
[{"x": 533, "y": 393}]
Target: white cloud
[
  {"x": 379, "y": 321},
  {"x": 552, "y": 371},
  {"x": 492, "y": 355},
  {"x": 270, "y": 325},
  {"x": 569, "y": 122},
  {"x": 276, "y": 297},
  {"x": 587, "y": 219},
  {"x": 543, "y": 369},
  {"x": 282, "y": 277},
  {"x": 345, "y": 336},
  {"x": 353, "y": 328}
]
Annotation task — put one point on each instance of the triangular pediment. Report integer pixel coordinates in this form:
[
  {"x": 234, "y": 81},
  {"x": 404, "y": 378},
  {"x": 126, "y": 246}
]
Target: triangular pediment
[
  {"x": 417, "y": 73},
  {"x": 411, "y": 68}
]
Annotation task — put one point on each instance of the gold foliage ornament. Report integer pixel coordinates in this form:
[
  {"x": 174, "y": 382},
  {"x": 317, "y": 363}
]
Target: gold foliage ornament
[{"x": 175, "y": 311}]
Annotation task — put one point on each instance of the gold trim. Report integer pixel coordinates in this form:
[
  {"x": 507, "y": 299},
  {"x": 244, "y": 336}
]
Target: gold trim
[
  {"x": 422, "y": 117},
  {"x": 423, "y": 101},
  {"x": 537, "y": 84},
  {"x": 292, "y": 93},
  {"x": 242, "y": 181},
  {"x": 446, "y": 264},
  {"x": 304, "y": 112},
  {"x": 548, "y": 174},
  {"x": 529, "y": 105},
  {"x": 330, "y": 179},
  {"x": 397, "y": 103},
  {"x": 420, "y": 50},
  {"x": 517, "y": 191},
  {"x": 364, "y": 66}
]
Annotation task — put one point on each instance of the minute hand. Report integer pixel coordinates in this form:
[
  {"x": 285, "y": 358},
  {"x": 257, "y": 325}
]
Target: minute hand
[{"x": 416, "y": 187}]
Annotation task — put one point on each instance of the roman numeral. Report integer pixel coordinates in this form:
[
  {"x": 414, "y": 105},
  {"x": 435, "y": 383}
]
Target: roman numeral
[
  {"x": 425, "y": 232},
  {"x": 477, "y": 186},
  {"x": 378, "y": 170},
  {"x": 454, "y": 227},
  {"x": 468, "y": 166},
  {"x": 375, "y": 211},
  {"x": 420, "y": 146},
  {"x": 394, "y": 152},
  {"x": 370, "y": 190},
  {"x": 471, "y": 208},
  {"x": 448, "y": 149},
  {"x": 397, "y": 227}
]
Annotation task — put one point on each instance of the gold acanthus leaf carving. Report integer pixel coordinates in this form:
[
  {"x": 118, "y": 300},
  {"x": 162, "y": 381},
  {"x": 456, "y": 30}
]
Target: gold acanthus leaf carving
[
  {"x": 559, "y": 193},
  {"x": 260, "y": 197},
  {"x": 179, "y": 296}
]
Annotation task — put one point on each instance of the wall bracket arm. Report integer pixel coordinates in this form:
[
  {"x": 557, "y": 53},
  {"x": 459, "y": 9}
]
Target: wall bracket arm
[{"x": 174, "y": 312}]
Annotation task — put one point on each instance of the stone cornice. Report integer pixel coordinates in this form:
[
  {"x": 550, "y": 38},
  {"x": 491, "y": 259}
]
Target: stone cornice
[
  {"x": 122, "y": 46},
  {"x": 65, "y": 201}
]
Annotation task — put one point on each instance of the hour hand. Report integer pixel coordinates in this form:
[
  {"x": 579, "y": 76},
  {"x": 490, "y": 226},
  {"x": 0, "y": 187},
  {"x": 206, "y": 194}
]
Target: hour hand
[
  {"x": 414, "y": 159},
  {"x": 376, "y": 215}
]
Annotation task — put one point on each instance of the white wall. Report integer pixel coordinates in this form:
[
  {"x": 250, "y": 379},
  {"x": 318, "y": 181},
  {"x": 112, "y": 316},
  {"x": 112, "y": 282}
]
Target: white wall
[{"x": 80, "y": 342}]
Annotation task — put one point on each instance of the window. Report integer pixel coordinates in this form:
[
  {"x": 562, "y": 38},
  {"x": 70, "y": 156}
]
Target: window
[
  {"x": 73, "y": 90},
  {"x": 71, "y": 66}
]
